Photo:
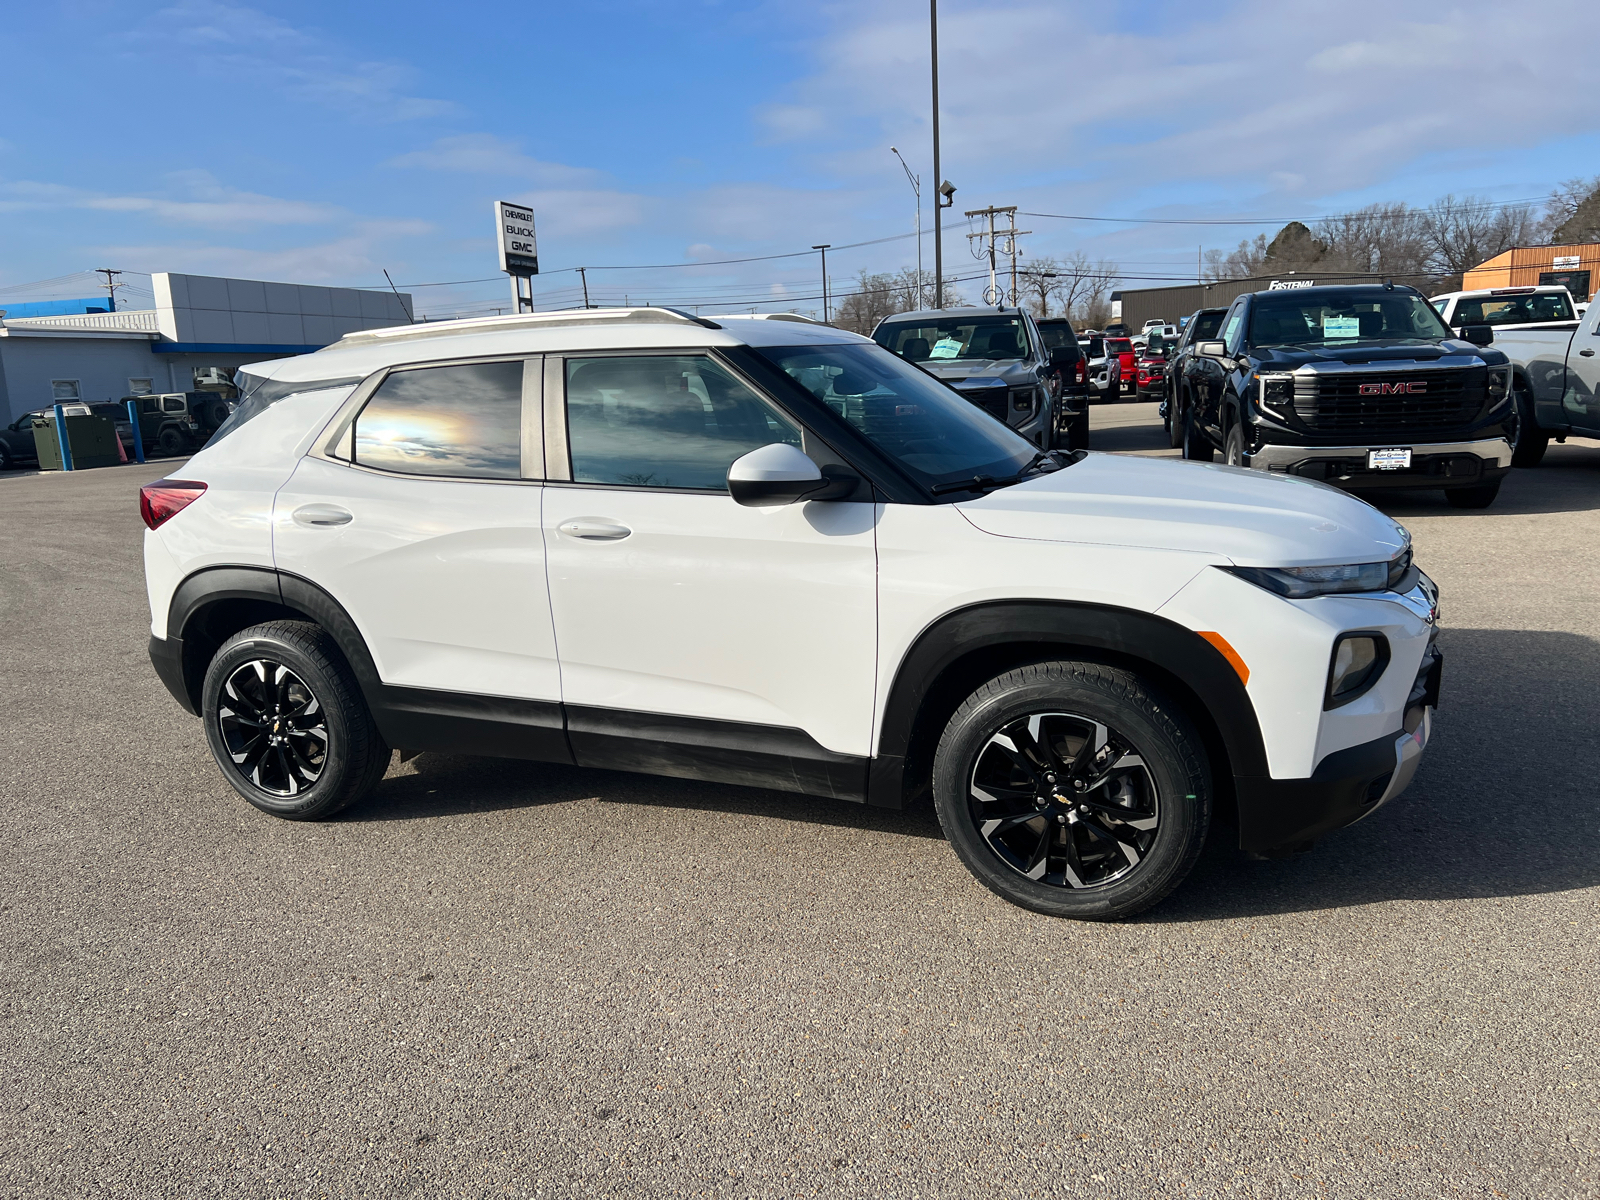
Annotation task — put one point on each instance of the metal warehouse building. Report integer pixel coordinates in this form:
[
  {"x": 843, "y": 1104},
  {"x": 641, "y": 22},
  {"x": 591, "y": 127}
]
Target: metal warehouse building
[
  {"x": 1134, "y": 306},
  {"x": 201, "y": 327}
]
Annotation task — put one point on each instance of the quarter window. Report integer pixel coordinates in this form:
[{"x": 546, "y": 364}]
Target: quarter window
[
  {"x": 665, "y": 421},
  {"x": 461, "y": 421}
]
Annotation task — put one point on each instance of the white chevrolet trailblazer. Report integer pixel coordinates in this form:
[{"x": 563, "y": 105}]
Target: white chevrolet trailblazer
[{"x": 768, "y": 552}]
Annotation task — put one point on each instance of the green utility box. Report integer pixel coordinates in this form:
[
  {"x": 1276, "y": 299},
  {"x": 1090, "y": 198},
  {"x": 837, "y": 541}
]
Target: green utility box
[{"x": 92, "y": 440}]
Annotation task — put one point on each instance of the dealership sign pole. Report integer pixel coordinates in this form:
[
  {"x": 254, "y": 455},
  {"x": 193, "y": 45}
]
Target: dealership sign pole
[{"x": 519, "y": 250}]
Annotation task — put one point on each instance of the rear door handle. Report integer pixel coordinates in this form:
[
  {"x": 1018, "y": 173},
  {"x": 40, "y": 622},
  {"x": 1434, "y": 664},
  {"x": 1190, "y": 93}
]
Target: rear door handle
[
  {"x": 322, "y": 516},
  {"x": 594, "y": 529}
]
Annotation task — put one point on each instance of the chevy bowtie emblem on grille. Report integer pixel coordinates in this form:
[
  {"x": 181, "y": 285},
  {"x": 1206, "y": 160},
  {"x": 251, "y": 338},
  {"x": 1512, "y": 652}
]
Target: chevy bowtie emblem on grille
[{"x": 1393, "y": 389}]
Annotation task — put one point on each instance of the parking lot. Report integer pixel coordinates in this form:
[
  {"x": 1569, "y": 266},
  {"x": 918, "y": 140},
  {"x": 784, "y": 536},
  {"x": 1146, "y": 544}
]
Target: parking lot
[{"x": 504, "y": 978}]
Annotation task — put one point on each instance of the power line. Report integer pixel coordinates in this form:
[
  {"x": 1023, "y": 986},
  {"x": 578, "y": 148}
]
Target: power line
[{"x": 1268, "y": 220}]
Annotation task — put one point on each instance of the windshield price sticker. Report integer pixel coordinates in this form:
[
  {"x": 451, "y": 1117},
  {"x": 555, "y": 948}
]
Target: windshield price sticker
[
  {"x": 1388, "y": 460},
  {"x": 946, "y": 348},
  {"x": 1341, "y": 327}
]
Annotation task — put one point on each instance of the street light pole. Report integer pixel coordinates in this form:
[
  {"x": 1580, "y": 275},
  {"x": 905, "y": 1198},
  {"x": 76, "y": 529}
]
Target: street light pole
[
  {"x": 916, "y": 187},
  {"x": 824, "y": 248},
  {"x": 938, "y": 223}
]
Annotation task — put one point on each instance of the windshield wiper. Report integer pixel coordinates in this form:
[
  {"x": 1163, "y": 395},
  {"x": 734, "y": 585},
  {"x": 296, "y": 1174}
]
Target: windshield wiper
[{"x": 987, "y": 483}]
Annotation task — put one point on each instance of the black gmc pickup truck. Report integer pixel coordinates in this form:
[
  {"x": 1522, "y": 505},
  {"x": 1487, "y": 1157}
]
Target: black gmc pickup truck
[{"x": 1361, "y": 387}]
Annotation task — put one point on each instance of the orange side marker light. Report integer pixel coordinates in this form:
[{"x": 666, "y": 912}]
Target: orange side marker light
[{"x": 1229, "y": 653}]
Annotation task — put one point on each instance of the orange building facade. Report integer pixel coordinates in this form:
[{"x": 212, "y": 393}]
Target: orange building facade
[{"x": 1578, "y": 267}]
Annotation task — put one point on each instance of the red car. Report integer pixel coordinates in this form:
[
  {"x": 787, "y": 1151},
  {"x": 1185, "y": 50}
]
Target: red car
[{"x": 1123, "y": 349}]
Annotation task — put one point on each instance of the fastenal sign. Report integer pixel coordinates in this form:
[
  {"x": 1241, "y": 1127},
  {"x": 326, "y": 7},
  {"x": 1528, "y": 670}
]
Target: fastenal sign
[
  {"x": 519, "y": 251},
  {"x": 1284, "y": 285}
]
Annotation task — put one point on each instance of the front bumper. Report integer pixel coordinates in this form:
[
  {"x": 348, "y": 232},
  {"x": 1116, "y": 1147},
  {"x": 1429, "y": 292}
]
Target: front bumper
[
  {"x": 1279, "y": 816},
  {"x": 1440, "y": 464}
]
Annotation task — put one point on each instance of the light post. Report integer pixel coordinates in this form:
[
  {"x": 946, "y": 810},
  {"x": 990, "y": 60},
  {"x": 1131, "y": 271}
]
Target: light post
[
  {"x": 916, "y": 186},
  {"x": 938, "y": 223},
  {"x": 824, "y": 248}
]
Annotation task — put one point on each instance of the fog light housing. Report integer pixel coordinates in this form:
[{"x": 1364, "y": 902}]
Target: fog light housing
[{"x": 1358, "y": 663}]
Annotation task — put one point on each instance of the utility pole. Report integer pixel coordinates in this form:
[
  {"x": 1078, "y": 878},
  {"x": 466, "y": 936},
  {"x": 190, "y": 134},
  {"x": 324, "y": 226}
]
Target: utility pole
[
  {"x": 585, "y": 279},
  {"x": 939, "y": 181},
  {"x": 995, "y": 236},
  {"x": 111, "y": 284},
  {"x": 824, "y": 248},
  {"x": 916, "y": 187}
]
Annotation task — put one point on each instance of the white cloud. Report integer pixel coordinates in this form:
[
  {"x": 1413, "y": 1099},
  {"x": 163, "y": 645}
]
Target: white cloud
[
  {"x": 195, "y": 199},
  {"x": 580, "y": 212},
  {"x": 486, "y": 154}
]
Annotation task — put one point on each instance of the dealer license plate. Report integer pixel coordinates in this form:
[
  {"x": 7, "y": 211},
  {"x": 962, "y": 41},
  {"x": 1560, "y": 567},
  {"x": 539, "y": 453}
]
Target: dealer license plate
[{"x": 1388, "y": 460}]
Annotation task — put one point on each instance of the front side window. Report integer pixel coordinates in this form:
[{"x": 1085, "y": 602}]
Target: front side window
[
  {"x": 1230, "y": 333},
  {"x": 980, "y": 338},
  {"x": 463, "y": 421},
  {"x": 1204, "y": 327},
  {"x": 64, "y": 390},
  {"x": 933, "y": 433},
  {"x": 664, "y": 421}
]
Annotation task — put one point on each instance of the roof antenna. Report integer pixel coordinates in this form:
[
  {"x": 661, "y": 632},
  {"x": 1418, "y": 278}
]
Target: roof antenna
[
  {"x": 1388, "y": 285},
  {"x": 396, "y": 292}
]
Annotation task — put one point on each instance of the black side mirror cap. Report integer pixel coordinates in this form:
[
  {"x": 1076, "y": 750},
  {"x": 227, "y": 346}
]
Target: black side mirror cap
[{"x": 1478, "y": 335}]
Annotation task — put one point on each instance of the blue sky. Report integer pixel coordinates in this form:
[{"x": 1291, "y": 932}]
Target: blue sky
[{"x": 325, "y": 142}]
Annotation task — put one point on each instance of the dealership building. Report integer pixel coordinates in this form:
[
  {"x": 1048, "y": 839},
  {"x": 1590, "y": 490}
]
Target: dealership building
[{"x": 202, "y": 328}]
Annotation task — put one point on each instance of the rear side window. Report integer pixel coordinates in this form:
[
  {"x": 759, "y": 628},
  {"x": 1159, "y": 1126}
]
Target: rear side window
[
  {"x": 463, "y": 421},
  {"x": 664, "y": 421},
  {"x": 174, "y": 404}
]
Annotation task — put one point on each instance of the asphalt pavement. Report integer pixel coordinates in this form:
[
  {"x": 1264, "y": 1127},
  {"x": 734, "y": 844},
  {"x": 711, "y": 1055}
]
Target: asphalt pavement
[{"x": 511, "y": 979}]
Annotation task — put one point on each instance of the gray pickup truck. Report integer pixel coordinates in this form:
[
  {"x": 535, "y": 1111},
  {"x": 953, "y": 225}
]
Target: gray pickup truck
[{"x": 1556, "y": 376}]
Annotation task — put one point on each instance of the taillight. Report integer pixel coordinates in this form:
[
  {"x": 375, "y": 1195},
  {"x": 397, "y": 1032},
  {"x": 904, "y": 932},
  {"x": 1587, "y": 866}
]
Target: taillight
[
  {"x": 1081, "y": 371},
  {"x": 164, "y": 499}
]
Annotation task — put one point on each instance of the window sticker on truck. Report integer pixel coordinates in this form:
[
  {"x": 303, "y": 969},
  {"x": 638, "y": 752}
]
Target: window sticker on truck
[
  {"x": 946, "y": 348},
  {"x": 1341, "y": 327}
]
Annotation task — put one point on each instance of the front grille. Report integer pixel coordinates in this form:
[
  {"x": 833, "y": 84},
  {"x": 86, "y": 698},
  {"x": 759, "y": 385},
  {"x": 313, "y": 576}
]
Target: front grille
[
  {"x": 991, "y": 400},
  {"x": 1333, "y": 402}
]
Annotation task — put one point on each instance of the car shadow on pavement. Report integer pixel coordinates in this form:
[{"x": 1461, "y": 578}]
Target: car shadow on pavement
[
  {"x": 1504, "y": 804},
  {"x": 439, "y": 785},
  {"x": 1567, "y": 481}
]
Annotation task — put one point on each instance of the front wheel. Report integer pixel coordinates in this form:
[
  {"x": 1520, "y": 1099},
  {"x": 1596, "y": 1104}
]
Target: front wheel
[
  {"x": 1074, "y": 790},
  {"x": 287, "y": 723},
  {"x": 1473, "y": 497},
  {"x": 1080, "y": 430},
  {"x": 1529, "y": 442},
  {"x": 1195, "y": 446},
  {"x": 1175, "y": 411},
  {"x": 1233, "y": 446}
]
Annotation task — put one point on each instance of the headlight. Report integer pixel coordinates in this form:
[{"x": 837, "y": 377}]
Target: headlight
[
  {"x": 1277, "y": 391},
  {"x": 1302, "y": 583},
  {"x": 1499, "y": 385},
  {"x": 1358, "y": 661}
]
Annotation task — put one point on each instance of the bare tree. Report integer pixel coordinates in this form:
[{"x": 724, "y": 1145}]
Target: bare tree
[
  {"x": 1462, "y": 233},
  {"x": 1039, "y": 281},
  {"x": 872, "y": 300},
  {"x": 1572, "y": 213},
  {"x": 1245, "y": 261}
]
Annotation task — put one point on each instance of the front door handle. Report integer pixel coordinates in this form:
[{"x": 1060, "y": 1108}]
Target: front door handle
[
  {"x": 594, "y": 529},
  {"x": 1587, "y": 353},
  {"x": 322, "y": 516}
]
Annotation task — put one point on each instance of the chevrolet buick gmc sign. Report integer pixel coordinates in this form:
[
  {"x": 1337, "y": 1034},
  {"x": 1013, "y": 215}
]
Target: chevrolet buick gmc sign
[{"x": 519, "y": 251}]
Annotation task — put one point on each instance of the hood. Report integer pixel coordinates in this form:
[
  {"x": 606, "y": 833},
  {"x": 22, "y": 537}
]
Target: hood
[
  {"x": 1287, "y": 358},
  {"x": 982, "y": 372},
  {"x": 1250, "y": 517}
]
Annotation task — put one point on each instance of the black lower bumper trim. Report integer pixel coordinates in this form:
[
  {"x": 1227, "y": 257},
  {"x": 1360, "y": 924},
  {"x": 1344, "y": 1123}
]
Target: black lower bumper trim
[
  {"x": 166, "y": 656},
  {"x": 1278, "y": 815}
]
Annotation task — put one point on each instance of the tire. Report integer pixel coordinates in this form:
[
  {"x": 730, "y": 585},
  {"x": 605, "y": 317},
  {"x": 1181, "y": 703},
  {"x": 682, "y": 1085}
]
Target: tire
[
  {"x": 1114, "y": 392},
  {"x": 1473, "y": 497},
  {"x": 1233, "y": 446},
  {"x": 1080, "y": 430},
  {"x": 299, "y": 774},
  {"x": 1175, "y": 425},
  {"x": 1006, "y": 816},
  {"x": 170, "y": 442},
  {"x": 1195, "y": 446},
  {"x": 1530, "y": 442},
  {"x": 6, "y": 461}
]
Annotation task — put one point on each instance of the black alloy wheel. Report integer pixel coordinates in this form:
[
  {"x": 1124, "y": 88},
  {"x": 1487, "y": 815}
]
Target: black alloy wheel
[
  {"x": 274, "y": 728},
  {"x": 1073, "y": 789},
  {"x": 287, "y": 723},
  {"x": 170, "y": 442},
  {"x": 1528, "y": 441}
]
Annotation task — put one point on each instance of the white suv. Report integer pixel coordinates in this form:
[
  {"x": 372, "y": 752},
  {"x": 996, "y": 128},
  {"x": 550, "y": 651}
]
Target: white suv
[{"x": 772, "y": 553}]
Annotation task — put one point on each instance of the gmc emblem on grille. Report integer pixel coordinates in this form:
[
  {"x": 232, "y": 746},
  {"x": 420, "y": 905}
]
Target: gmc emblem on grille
[{"x": 1393, "y": 389}]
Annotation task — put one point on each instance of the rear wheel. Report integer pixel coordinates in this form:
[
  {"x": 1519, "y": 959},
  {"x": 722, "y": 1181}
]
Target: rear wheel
[
  {"x": 1529, "y": 442},
  {"x": 1175, "y": 410},
  {"x": 287, "y": 723},
  {"x": 1073, "y": 789},
  {"x": 1473, "y": 497},
  {"x": 1196, "y": 448},
  {"x": 170, "y": 442}
]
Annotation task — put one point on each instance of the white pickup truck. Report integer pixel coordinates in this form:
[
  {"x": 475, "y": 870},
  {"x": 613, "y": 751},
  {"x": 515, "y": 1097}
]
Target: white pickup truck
[
  {"x": 1542, "y": 306},
  {"x": 1556, "y": 378}
]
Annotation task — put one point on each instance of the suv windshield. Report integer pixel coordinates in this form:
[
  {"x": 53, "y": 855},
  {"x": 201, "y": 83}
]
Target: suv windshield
[
  {"x": 907, "y": 414},
  {"x": 1336, "y": 316},
  {"x": 1514, "y": 310},
  {"x": 949, "y": 338}
]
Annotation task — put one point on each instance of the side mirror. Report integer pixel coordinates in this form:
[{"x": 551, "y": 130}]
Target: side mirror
[
  {"x": 1478, "y": 335},
  {"x": 778, "y": 474},
  {"x": 1212, "y": 349}
]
